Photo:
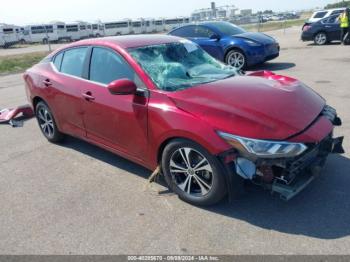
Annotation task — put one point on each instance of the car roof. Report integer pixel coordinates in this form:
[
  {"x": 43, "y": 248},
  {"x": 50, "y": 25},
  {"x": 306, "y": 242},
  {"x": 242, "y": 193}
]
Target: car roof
[
  {"x": 330, "y": 10},
  {"x": 206, "y": 23},
  {"x": 130, "y": 41}
]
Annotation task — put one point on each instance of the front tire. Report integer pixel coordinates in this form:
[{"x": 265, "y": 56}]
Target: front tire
[
  {"x": 321, "y": 38},
  {"x": 193, "y": 173},
  {"x": 47, "y": 123}
]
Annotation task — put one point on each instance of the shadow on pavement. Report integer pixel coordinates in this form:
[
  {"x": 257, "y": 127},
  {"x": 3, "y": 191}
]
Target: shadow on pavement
[
  {"x": 322, "y": 210},
  {"x": 275, "y": 66},
  {"x": 105, "y": 156},
  {"x": 330, "y": 43}
]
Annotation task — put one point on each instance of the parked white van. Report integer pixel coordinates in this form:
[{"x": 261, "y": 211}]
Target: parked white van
[
  {"x": 8, "y": 35},
  {"x": 42, "y": 33},
  {"x": 113, "y": 28},
  {"x": 318, "y": 15}
]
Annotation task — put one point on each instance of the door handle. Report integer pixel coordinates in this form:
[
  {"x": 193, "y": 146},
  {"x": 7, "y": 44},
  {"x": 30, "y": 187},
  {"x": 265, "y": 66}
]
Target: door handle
[
  {"x": 88, "y": 96},
  {"x": 47, "y": 82}
]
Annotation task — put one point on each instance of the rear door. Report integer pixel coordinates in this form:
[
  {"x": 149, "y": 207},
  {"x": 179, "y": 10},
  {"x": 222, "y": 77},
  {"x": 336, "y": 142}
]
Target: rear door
[
  {"x": 65, "y": 89},
  {"x": 116, "y": 121},
  {"x": 332, "y": 27}
]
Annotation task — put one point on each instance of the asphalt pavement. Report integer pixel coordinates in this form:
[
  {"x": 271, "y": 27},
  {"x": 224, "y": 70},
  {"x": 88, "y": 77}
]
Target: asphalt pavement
[{"x": 75, "y": 198}]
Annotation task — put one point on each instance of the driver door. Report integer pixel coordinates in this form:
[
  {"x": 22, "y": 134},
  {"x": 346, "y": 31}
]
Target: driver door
[{"x": 203, "y": 37}]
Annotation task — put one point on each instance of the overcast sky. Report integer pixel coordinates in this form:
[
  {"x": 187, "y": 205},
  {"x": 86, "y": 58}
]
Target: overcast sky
[{"x": 33, "y": 11}]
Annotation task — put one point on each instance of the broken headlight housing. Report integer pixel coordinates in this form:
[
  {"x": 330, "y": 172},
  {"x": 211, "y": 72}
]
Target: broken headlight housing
[{"x": 264, "y": 148}]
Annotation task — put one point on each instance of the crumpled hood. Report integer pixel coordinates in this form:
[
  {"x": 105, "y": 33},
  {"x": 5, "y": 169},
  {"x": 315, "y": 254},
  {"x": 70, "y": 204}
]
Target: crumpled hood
[
  {"x": 261, "y": 105},
  {"x": 257, "y": 37}
]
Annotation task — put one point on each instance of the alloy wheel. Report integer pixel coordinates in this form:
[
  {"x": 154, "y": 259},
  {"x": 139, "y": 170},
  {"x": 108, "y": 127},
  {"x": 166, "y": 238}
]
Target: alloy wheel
[
  {"x": 236, "y": 59},
  {"x": 191, "y": 171},
  {"x": 46, "y": 121},
  {"x": 321, "y": 38}
]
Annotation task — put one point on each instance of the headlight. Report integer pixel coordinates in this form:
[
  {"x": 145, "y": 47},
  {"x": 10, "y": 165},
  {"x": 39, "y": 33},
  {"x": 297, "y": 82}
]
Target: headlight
[
  {"x": 264, "y": 148},
  {"x": 251, "y": 43}
]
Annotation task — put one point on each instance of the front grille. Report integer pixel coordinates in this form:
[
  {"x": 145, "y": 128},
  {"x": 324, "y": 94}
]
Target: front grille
[{"x": 316, "y": 153}]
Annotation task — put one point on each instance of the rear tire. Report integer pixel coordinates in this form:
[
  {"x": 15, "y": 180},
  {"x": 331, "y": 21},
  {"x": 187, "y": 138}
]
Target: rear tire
[
  {"x": 201, "y": 182},
  {"x": 47, "y": 123},
  {"x": 321, "y": 38},
  {"x": 236, "y": 58}
]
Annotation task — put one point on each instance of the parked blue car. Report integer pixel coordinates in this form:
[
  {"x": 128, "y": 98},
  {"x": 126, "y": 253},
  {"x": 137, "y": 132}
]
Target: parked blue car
[{"x": 230, "y": 43}]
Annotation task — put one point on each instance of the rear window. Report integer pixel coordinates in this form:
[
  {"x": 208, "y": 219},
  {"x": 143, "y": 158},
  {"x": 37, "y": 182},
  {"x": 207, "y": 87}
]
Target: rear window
[
  {"x": 186, "y": 31},
  {"x": 58, "y": 61},
  {"x": 331, "y": 20},
  {"x": 73, "y": 61},
  {"x": 320, "y": 14}
]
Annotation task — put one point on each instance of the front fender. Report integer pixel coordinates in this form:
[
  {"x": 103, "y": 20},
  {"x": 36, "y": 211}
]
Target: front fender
[{"x": 168, "y": 122}]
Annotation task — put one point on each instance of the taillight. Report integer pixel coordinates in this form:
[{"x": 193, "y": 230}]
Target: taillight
[{"x": 306, "y": 27}]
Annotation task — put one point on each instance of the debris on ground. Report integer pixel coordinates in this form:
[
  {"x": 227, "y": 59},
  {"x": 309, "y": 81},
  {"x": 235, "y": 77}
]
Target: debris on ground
[
  {"x": 154, "y": 175},
  {"x": 15, "y": 116}
]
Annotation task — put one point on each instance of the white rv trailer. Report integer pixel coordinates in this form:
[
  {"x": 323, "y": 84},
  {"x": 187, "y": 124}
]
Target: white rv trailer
[
  {"x": 77, "y": 30},
  {"x": 19, "y": 33},
  {"x": 150, "y": 25},
  {"x": 173, "y": 23},
  {"x": 159, "y": 25},
  {"x": 42, "y": 33},
  {"x": 8, "y": 35},
  {"x": 90, "y": 30},
  {"x": 98, "y": 29},
  {"x": 84, "y": 29},
  {"x": 138, "y": 26},
  {"x": 73, "y": 31},
  {"x": 122, "y": 27}
]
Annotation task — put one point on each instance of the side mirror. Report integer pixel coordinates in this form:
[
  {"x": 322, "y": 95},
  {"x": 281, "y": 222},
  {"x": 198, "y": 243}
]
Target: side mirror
[
  {"x": 215, "y": 37},
  {"x": 122, "y": 87}
]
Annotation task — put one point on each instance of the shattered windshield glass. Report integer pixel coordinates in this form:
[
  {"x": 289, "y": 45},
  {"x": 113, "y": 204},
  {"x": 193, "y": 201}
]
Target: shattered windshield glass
[{"x": 180, "y": 65}]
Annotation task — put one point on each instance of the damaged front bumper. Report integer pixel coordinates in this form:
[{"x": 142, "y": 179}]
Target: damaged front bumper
[
  {"x": 293, "y": 175},
  {"x": 285, "y": 176}
]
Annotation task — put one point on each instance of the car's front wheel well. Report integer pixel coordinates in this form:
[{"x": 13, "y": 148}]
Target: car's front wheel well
[
  {"x": 36, "y": 100},
  {"x": 162, "y": 146}
]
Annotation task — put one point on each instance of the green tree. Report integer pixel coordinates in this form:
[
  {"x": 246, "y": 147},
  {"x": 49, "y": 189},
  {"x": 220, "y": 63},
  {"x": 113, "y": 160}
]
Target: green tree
[{"x": 338, "y": 5}]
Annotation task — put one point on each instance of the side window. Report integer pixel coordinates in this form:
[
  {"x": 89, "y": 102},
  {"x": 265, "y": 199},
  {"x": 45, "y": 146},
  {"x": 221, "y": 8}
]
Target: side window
[
  {"x": 320, "y": 14},
  {"x": 58, "y": 61},
  {"x": 332, "y": 20},
  {"x": 73, "y": 61},
  {"x": 203, "y": 32},
  {"x": 336, "y": 12},
  {"x": 107, "y": 66},
  {"x": 187, "y": 31}
]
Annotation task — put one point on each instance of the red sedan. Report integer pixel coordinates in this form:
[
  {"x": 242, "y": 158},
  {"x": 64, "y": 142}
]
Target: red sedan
[{"x": 162, "y": 101}]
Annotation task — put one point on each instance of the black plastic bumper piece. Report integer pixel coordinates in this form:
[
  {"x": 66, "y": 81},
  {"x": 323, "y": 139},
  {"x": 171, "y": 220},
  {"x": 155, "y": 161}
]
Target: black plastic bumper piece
[{"x": 337, "y": 147}]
